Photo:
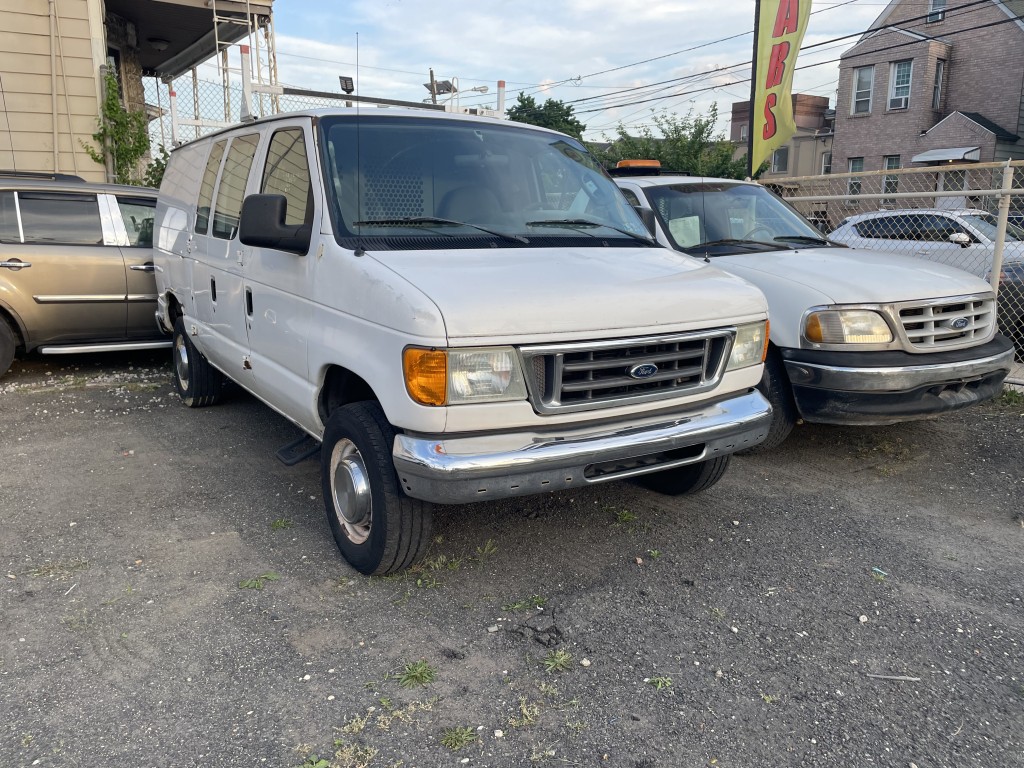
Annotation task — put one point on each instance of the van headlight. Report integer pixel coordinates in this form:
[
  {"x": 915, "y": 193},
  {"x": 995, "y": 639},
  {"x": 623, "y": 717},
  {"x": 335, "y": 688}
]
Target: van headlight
[
  {"x": 749, "y": 347},
  {"x": 454, "y": 376},
  {"x": 846, "y": 326}
]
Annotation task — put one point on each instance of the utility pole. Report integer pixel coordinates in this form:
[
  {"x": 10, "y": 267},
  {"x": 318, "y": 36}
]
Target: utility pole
[{"x": 433, "y": 87}]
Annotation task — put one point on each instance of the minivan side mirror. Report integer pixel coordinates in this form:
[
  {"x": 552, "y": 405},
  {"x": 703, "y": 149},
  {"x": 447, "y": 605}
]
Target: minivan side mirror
[
  {"x": 960, "y": 238},
  {"x": 262, "y": 224},
  {"x": 647, "y": 217}
]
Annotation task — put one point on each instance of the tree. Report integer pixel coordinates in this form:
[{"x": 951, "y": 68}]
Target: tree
[
  {"x": 553, "y": 114},
  {"x": 688, "y": 143}
]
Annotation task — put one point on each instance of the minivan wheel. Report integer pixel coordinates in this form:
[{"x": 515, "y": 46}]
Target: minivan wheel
[
  {"x": 8, "y": 343},
  {"x": 198, "y": 383},
  {"x": 376, "y": 526},
  {"x": 775, "y": 387},
  {"x": 689, "y": 478}
]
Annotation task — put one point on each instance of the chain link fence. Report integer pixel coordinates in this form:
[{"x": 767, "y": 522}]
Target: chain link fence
[{"x": 946, "y": 214}]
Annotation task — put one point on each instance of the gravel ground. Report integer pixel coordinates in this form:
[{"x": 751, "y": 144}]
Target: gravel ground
[{"x": 172, "y": 597}]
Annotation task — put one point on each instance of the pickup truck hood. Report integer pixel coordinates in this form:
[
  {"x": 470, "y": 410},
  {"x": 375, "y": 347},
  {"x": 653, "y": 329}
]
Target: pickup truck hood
[
  {"x": 854, "y": 275},
  {"x": 574, "y": 292}
]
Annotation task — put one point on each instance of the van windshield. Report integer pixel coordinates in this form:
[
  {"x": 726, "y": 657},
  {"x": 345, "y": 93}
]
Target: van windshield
[
  {"x": 723, "y": 217},
  {"x": 427, "y": 182}
]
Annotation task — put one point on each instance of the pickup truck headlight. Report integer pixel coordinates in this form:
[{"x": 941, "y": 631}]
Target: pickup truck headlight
[
  {"x": 847, "y": 326},
  {"x": 749, "y": 347},
  {"x": 454, "y": 376}
]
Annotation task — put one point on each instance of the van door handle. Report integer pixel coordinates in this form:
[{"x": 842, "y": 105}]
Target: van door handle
[
  {"x": 248, "y": 301},
  {"x": 15, "y": 264},
  {"x": 143, "y": 267}
]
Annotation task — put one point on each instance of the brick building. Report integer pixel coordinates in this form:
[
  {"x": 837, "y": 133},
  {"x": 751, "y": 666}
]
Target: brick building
[{"x": 933, "y": 82}]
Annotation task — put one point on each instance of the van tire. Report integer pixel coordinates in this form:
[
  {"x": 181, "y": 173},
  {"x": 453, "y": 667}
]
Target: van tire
[
  {"x": 198, "y": 383},
  {"x": 690, "y": 478},
  {"x": 378, "y": 529},
  {"x": 775, "y": 387},
  {"x": 8, "y": 343}
]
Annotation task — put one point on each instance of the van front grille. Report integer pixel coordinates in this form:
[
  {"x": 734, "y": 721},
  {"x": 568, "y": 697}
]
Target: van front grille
[
  {"x": 607, "y": 373},
  {"x": 948, "y": 322}
]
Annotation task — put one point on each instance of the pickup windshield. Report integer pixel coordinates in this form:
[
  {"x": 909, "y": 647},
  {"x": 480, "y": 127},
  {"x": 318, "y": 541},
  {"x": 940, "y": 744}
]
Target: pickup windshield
[
  {"x": 422, "y": 182},
  {"x": 721, "y": 217}
]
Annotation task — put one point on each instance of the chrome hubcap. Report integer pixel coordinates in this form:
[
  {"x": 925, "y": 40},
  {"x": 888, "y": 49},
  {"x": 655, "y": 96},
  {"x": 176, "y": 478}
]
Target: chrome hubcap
[
  {"x": 350, "y": 491},
  {"x": 181, "y": 361}
]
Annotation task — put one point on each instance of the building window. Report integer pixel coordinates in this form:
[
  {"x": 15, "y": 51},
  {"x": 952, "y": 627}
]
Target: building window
[
  {"x": 826, "y": 163},
  {"x": 780, "y": 160},
  {"x": 863, "y": 79},
  {"x": 890, "y": 183},
  {"x": 899, "y": 84},
  {"x": 936, "y": 10},
  {"x": 856, "y": 165},
  {"x": 940, "y": 71},
  {"x": 744, "y": 131}
]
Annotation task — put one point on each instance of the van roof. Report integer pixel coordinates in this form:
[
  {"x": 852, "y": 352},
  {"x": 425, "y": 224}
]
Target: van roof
[{"x": 389, "y": 113}]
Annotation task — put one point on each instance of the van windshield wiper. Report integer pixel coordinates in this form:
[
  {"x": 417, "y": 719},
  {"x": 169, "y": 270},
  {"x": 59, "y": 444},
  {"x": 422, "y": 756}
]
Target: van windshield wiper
[
  {"x": 579, "y": 223},
  {"x": 803, "y": 239},
  {"x": 430, "y": 221},
  {"x": 751, "y": 244}
]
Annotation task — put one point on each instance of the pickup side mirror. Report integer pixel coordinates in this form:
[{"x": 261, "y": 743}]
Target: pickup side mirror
[
  {"x": 960, "y": 238},
  {"x": 647, "y": 217},
  {"x": 262, "y": 224}
]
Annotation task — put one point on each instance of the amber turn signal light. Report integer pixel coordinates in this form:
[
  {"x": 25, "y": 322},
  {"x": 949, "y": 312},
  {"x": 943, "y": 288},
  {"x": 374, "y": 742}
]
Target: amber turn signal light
[{"x": 426, "y": 375}]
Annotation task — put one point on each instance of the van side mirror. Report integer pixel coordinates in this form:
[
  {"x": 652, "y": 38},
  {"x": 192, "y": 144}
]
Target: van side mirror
[
  {"x": 262, "y": 224},
  {"x": 647, "y": 216},
  {"x": 960, "y": 238}
]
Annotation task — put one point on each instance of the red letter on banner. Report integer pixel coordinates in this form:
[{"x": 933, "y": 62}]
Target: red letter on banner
[
  {"x": 777, "y": 65},
  {"x": 787, "y": 18},
  {"x": 769, "y": 116}
]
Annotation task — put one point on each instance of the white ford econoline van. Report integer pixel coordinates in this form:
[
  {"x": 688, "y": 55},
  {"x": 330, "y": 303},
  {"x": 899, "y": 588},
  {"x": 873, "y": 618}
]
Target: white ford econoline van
[{"x": 457, "y": 308}]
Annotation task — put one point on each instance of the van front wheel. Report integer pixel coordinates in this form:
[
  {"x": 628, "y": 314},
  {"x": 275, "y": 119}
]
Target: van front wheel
[
  {"x": 378, "y": 528},
  {"x": 198, "y": 383},
  {"x": 687, "y": 479}
]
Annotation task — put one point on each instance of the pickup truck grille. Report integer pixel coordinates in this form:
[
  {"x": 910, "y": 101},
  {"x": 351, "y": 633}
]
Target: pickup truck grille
[
  {"x": 946, "y": 323},
  {"x": 583, "y": 376}
]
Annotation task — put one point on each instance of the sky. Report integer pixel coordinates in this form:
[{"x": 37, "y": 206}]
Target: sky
[{"x": 599, "y": 56}]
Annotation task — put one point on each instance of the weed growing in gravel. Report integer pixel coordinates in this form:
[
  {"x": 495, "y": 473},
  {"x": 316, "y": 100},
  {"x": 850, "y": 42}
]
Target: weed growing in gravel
[
  {"x": 576, "y": 727},
  {"x": 539, "y": 752},
  {"x": 78, "y": 621},
  {"x": 416, "y": 673},
  {"x": 557, "y": 661},
  {"x": 281, "y": 523},
  {"x": 661, "y": 682},
  {"x": 1012, "y": 397},
  {"x": 654, "y": 553},
  {"x": 257, "y": 582},
  {"x": 768, "y": 698},
  {"x": 548, "y": 690},
  {"x": 458, "y": 737},
  {"x": 62, "y": 570},
  {"x": 315, "y": 761},
  {"x": 489, "y": 548},
  {"x": 404, "y": 714},
  {"x": 526, "y": 604},
  {"x": 353, "y": 755},
  {"x": 355, "y": 725},
  {"x": 529, "y": 712},
  {"x": 442, "y": 563},
  {"x": 717, "y": 613},
  {"x": 625, "y": 518}
]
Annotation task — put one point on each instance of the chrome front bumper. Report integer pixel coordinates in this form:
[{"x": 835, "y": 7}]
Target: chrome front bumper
[{"x": 456, "y": 470}]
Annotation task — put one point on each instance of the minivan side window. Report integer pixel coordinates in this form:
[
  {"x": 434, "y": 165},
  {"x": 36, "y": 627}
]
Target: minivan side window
[
  {"x": 287, "y": 173},
  {"x": 206, "y": 188},
  {"x": 232, "y": 186},
  {"x": 137, "y": 214},
  {"x": 60, "y": 218},
  {"x": 9, "y": 232}
]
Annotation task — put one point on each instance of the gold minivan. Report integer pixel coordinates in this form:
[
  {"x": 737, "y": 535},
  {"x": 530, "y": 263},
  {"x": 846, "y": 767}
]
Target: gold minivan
[{"x": 76, "y": 267}]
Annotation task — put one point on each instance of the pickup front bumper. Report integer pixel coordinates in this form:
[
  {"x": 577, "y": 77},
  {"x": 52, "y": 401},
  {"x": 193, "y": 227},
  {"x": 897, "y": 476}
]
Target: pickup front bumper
[
  {"x": 889, "y": 387},
  {"x": 455, "y": 470}
]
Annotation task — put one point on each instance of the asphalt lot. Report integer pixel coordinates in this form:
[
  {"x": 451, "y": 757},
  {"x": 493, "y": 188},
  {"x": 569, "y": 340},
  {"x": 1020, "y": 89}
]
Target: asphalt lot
[{"x": 854, "y": 598}]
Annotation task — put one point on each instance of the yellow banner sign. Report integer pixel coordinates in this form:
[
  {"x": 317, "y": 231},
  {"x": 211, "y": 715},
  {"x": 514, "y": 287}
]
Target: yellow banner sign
[{"x": 781, "y": 28}]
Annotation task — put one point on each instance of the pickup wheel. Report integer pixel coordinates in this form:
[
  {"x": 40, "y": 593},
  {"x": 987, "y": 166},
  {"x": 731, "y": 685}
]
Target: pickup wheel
[
  {"x": 376, "y": 526},
  {"x": 8, "y": 343},
  {"x": 690, "y": 478},
  {"x": 775, "y": 387},
  {"x": 198, "y": 383}
]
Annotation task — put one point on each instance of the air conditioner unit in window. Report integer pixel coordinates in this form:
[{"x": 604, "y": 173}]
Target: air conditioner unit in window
[{"x": 899, "y": 102}]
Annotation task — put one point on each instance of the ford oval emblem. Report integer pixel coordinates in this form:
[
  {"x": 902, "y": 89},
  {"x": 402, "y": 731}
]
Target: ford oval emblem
[
  {"x": 643, "y": 370},
  {"x": 958, "y": 323}
]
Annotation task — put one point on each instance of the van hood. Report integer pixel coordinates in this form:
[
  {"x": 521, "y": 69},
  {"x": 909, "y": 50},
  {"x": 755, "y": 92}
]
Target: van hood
[
  {"x": 855, "y": 275},
  {"x": 563, "y": 293}
]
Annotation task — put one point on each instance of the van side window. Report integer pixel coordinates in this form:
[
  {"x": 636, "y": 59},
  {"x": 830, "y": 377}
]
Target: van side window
[
  {"x": 206, "y": 188},
  {"x": 137, "y": 214},
  {"x": 60, "y": 218},
  {"x": 287, "y": 173},
  {"x": 232, "y": 186},
  {"x": 9, "y": 232}
]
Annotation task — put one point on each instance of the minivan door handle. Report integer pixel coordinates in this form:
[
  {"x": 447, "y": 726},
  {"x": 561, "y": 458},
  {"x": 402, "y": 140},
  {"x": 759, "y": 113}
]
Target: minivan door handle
[
  {"x": 147, "y": 267},
  {"x": 15, "y": 264}
]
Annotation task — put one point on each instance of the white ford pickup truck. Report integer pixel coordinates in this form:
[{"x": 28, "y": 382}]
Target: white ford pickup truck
[
  {"x": 457, "y": 308},
  {"x": 857, "y": 336}
]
